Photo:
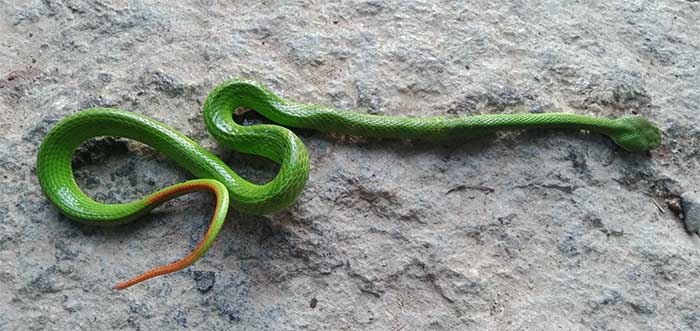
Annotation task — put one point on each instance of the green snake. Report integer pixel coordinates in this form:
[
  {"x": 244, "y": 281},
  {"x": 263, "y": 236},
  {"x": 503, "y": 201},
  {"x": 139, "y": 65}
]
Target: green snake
[{"x": 274, "y": 142}]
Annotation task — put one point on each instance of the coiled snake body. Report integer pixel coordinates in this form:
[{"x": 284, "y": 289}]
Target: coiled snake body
[{"x": 274, "y": 142}]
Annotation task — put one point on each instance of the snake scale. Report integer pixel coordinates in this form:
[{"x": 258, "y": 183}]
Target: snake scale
[{"x": 274, "y": 142}]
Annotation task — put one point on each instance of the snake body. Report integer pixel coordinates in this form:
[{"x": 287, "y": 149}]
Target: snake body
[{"x": 275, "y": 142}]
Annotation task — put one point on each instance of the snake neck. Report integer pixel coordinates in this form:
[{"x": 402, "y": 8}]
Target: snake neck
[{"x": 632, "y": 133}]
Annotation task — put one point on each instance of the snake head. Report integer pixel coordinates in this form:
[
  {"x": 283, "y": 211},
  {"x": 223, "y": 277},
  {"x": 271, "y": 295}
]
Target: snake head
[{"x": 636, "y": 134}]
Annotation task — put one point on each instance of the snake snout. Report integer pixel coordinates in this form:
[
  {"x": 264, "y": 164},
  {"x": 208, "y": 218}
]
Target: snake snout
[{"x": 638, "y": 135}]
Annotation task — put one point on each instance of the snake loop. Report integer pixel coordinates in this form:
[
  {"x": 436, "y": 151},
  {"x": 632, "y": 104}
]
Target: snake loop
[{"x": 274, "y": 142}]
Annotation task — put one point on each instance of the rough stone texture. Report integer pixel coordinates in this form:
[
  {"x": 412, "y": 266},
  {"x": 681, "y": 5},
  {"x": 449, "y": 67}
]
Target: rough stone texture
[
  {"x": 691, "y": 210},
  {"x": 554, "y": 230}
]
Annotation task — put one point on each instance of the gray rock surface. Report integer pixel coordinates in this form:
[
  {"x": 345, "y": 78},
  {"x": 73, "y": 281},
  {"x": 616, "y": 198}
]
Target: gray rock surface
[
  {"x": 541, "y": 230},
  {"x": 690, "y": 203}
]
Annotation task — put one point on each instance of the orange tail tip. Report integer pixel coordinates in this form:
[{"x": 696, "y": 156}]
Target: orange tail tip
[{"x": 217, "y": 221}]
